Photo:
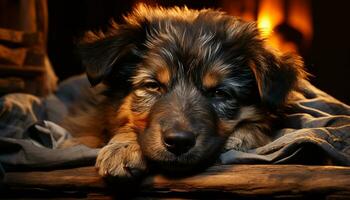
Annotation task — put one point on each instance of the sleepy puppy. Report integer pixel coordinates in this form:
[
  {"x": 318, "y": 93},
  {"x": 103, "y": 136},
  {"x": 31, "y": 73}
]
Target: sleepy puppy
[{"x": 181, "y": 86}]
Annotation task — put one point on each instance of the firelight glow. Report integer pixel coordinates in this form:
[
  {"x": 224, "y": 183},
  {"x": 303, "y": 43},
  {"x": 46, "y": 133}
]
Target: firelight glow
[
  {"x": 264, "y": 24},
  {"x": 270, "y": 14}
]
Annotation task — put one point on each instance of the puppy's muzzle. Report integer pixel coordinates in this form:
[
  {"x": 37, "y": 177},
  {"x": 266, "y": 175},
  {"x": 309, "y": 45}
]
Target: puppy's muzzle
[{"x": 178, "y": 142}]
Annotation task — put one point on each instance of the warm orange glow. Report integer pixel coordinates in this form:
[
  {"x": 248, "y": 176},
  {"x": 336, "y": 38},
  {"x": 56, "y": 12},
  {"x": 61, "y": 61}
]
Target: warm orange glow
[
  {"x": 278, "y": 42},
  {"x": 265, "y": 25},
  {"x": 270, "y": 14},
  {"x": 300, "y": 17}
]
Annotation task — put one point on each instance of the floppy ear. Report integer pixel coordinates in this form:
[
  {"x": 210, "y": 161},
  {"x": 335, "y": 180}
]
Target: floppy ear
[
  {"x": 277, "y": 75},
  {"x": 102, "y": 52}
]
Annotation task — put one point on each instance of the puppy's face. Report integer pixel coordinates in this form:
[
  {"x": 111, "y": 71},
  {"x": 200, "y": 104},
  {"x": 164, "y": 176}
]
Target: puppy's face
[
  {"x": 188, "y": 83},
  {"x": 191, "y": 78}
]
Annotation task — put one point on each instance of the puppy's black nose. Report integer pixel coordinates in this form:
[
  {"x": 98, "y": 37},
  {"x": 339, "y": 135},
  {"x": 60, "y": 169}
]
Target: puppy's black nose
[{"x": 179, "y": 142}]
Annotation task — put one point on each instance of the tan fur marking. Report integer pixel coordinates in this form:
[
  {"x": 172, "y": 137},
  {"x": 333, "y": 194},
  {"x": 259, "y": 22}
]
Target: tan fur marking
[
  {"x": 85, "y": 129},
  {"x": 163, "y": 76},
  {"x": 215, "y": 74},
  {"x": 124, "y": 117},
  {"x": 211, "y": 80},
  {"x": 117, "y": 119}
]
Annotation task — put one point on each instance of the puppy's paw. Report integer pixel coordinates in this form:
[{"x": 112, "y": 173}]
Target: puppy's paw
[
  {"x": 121, "y": 160},
  {"x": 233, "y": 143}
]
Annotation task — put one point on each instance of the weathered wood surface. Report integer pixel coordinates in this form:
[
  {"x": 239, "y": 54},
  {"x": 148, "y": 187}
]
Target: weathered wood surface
[
  {"x": 11, "y": 84},
  {"x": 35, "y": 57},
  {"x": 21, "y": 56},
  {"x": 19, "y": 37},
  {"x": 22, "y": 71},
  {"x": 226, "y": 180},
  {"x": 12, "y": 56}
]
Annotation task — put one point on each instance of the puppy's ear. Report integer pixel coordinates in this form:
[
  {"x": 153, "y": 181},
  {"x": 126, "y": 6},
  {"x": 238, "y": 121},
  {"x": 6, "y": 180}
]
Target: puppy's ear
[
  {"x": 277, "y": 74},
  {"x": 101, "y": 52}
]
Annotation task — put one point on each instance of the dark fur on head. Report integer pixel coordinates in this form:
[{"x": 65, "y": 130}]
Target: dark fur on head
[{"x": 202, "y": 73}]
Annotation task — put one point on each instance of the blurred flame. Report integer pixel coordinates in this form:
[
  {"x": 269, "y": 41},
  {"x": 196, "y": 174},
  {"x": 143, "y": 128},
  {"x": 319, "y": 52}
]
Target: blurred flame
[
  {"x": 270, "y": 14},
  {"x": 265, "y": 25}
]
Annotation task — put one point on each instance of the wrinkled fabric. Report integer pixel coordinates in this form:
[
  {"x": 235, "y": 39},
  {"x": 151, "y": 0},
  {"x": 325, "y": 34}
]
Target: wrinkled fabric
[
  {"x": 30, "y": 135},
  {"x": 316, "y": 130},
  {"x": 317, "y": 127}
]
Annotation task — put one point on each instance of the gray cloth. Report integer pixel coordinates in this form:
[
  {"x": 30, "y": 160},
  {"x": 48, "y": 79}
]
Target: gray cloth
[
  {"x": 316, "y": 131},
  {"x": 29, "y": 135},
  {"x": 316, "y": 128}
]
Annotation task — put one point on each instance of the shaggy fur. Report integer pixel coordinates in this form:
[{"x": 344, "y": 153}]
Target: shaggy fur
[{"x": 199, "y": 74}]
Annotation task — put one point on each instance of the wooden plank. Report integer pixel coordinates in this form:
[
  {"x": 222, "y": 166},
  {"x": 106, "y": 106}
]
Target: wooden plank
[
  {"x": 27, "y": 13},
  {"x": 12, "y": 56},
  {"x": 21, "y": 56},
  {"x": 19, "y": 37},
  {"x": 42, "y": 18},
  {"x": 228, "y": 180},
  {"x": 23, "y": 71},
  {"x": 11, "y": 84},
  {"x": 35, "y": 57},
  {"x": 247, "y": 180},
  {"x": 69, "y": 179}
]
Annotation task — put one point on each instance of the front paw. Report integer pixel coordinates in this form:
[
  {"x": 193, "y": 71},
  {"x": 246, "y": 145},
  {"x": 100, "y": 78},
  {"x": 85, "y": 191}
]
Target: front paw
[{"x": 121, "y": 160}]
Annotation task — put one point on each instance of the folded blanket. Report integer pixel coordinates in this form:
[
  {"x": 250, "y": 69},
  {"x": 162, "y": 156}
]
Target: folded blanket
[{"x": 316, "y": 130}]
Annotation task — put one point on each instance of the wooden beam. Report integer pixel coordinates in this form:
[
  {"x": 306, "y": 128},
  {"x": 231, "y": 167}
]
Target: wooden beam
[
  {"x": 12, "y": 56},
  {"x": 35, "y": 57},
  {"x": 22, "y": 71},
  {"x": 20, "y": 37},
  {"x": 225, "y": 180},
  {"x": 11, "y": 84}
]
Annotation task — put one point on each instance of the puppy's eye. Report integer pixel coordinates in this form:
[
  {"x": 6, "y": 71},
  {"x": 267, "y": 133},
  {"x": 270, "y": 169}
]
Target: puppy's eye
[
  {"x": 152, "y": 86},
  {"x": 221, "y": 94}
]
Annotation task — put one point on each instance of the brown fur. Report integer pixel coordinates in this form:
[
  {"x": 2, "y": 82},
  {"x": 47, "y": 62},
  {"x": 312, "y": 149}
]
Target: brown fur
[{"x": 201, "y": 74}]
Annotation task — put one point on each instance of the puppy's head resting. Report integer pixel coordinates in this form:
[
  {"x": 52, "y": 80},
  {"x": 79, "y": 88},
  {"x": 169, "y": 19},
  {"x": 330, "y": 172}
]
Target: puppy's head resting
[{"x": 191, "y": 74}]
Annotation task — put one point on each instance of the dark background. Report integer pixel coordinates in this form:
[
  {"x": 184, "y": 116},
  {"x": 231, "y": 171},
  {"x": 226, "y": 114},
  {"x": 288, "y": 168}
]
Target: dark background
[{"x": 327, "y": 59}]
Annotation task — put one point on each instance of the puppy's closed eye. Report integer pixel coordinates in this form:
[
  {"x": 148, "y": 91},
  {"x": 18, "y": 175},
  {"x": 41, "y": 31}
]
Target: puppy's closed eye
[
  {"x": 219, "y": 93},
  {"x": 153, "y": 86}
]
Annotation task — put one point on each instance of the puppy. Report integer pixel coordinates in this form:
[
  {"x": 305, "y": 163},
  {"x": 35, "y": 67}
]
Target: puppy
[{"x": 181, "y": 86}]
